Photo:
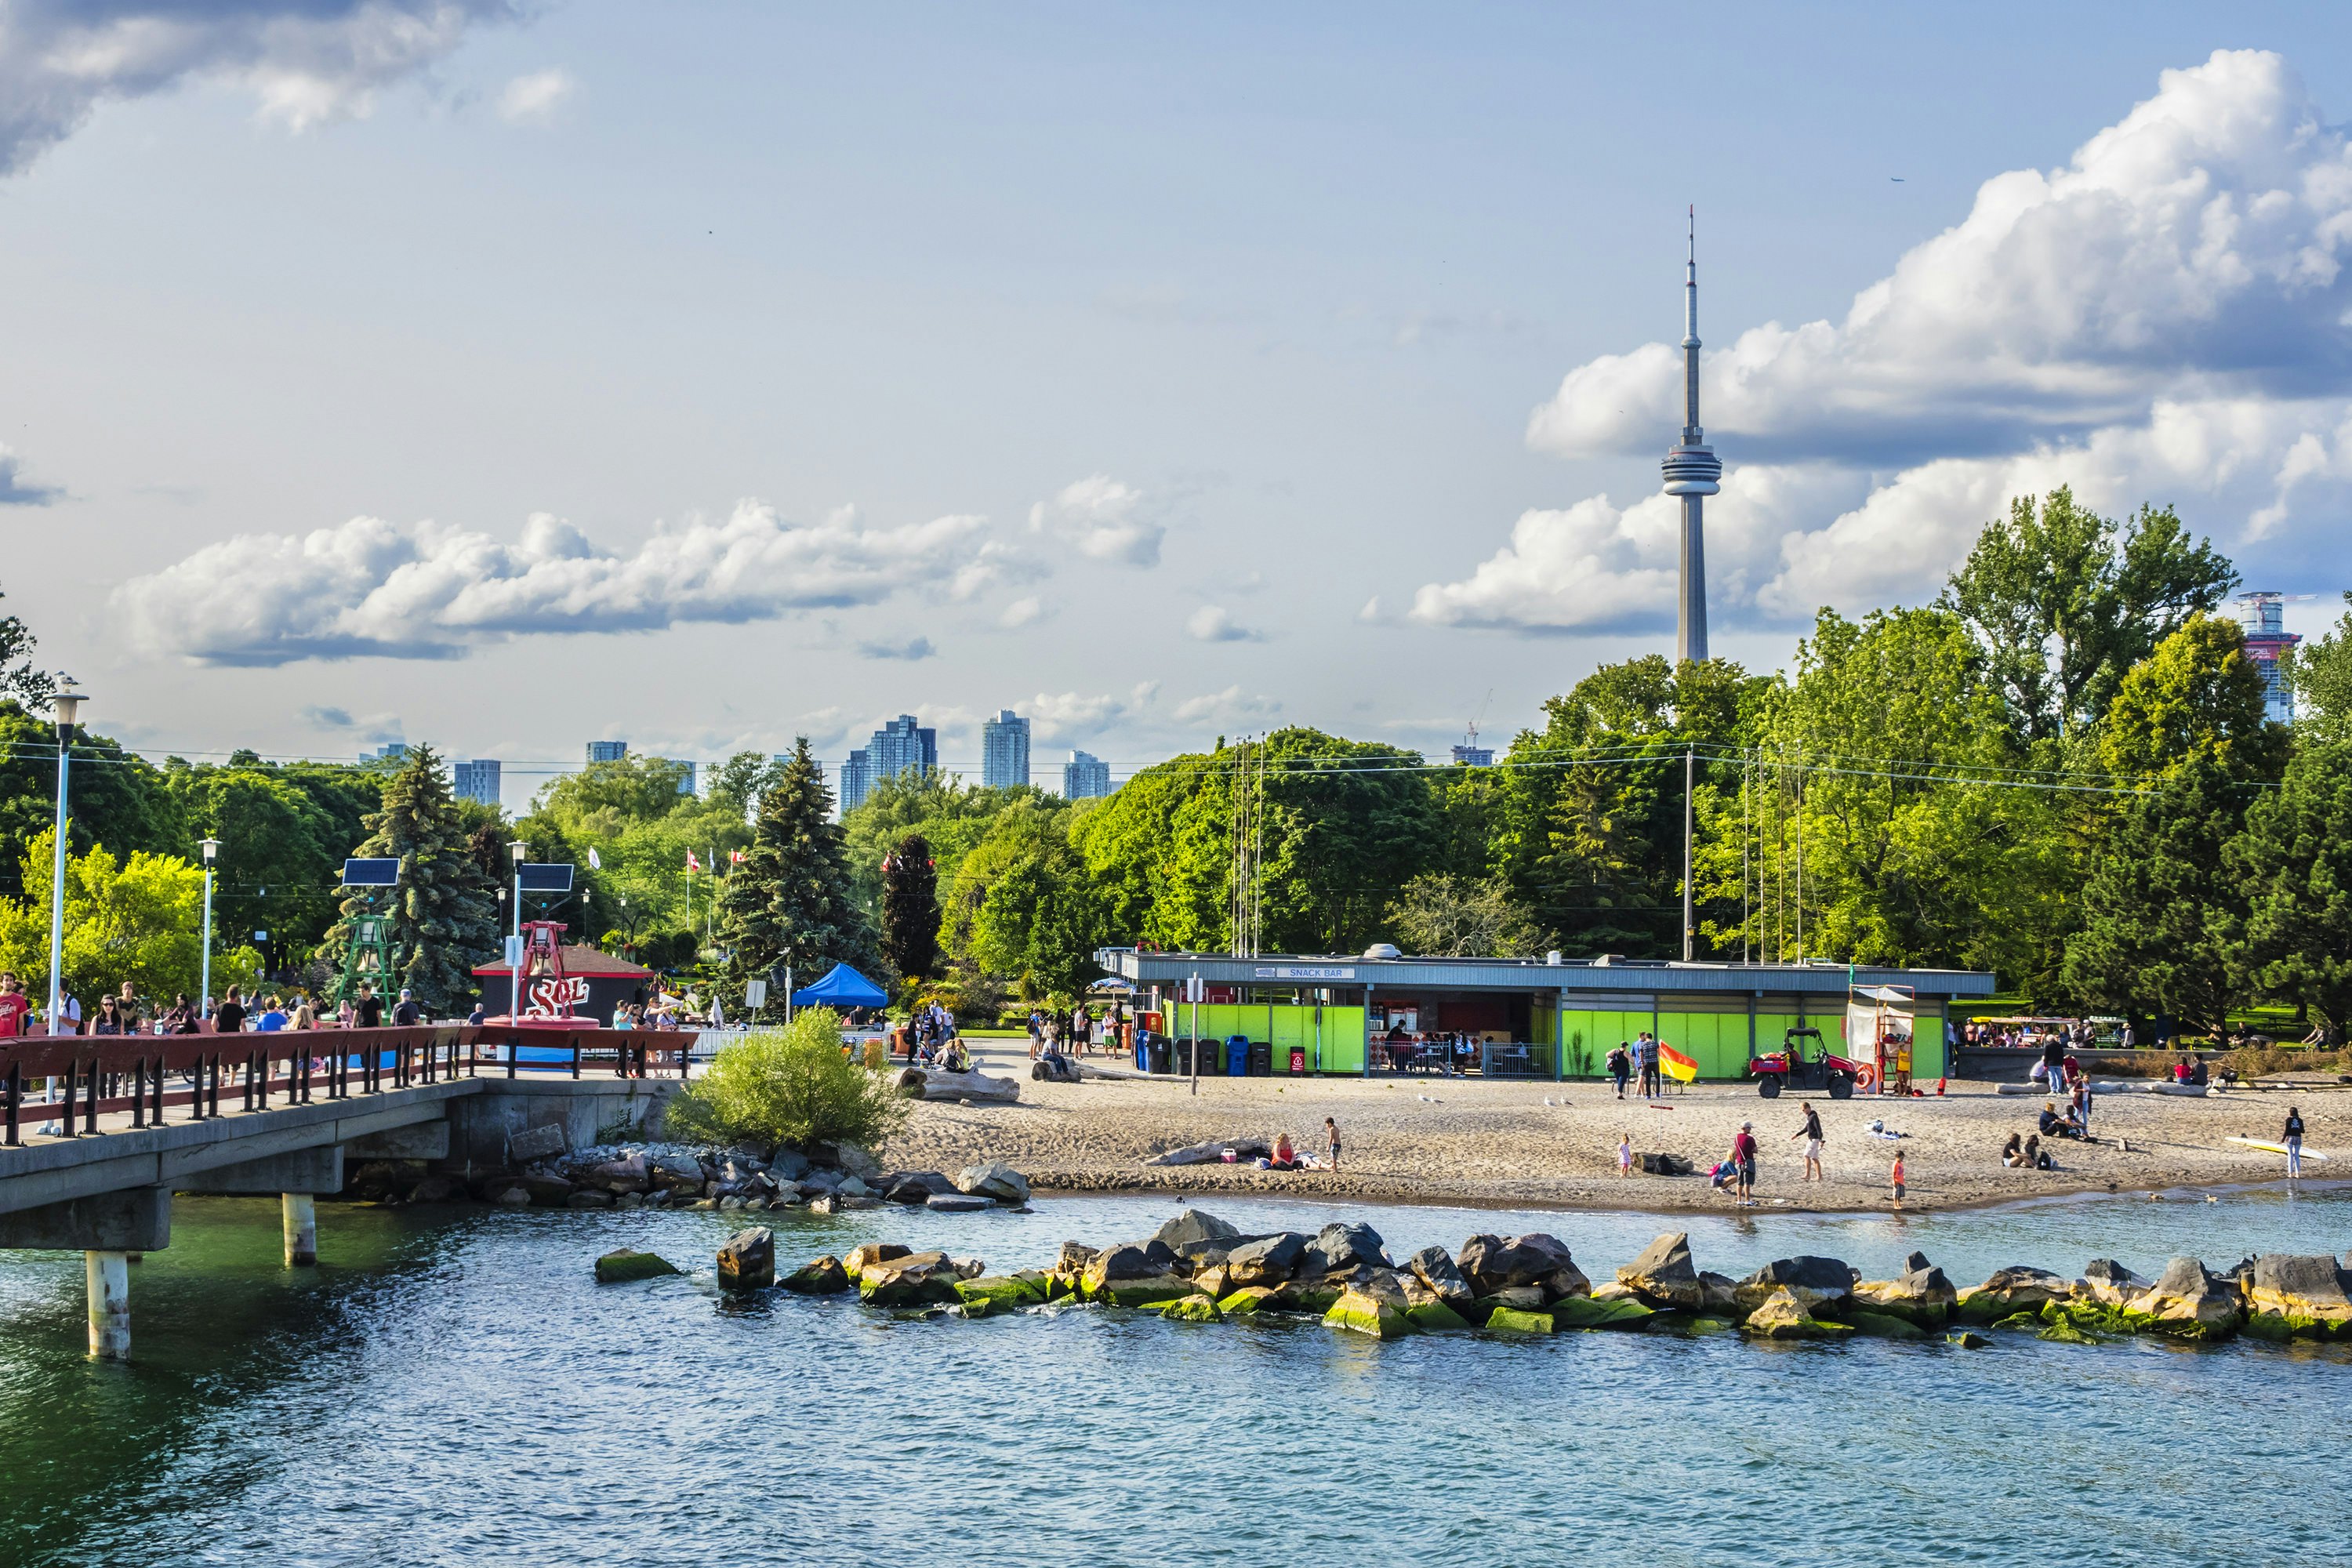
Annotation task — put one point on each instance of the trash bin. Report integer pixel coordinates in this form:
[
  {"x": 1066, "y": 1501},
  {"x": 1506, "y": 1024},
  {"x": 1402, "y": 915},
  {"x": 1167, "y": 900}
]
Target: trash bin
[
  {"x": 1213, "y": 1057},
  {"x": 1162, "y": 1056},
  {"x": 1261, "y": 1058},
  {"x": 1237, "y": 1056},
  {"x": 1143, "y": 1051},
  {"x": 1298, "y": 1061}
]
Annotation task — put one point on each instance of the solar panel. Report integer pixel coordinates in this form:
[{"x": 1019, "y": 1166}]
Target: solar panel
[
  {"x": 553, "y": 879},
  {"x": 370, "y": 873}
]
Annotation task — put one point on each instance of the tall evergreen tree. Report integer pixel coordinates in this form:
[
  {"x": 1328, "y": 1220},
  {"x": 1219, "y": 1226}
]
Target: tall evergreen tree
[
  {"x": 789, "y": 902},
  {"x": 2161, "y": 908},
  {"x": 2294, "y": 860},
  {"x": 444, "y": 913},
  {"x": 910, "y": 907}
]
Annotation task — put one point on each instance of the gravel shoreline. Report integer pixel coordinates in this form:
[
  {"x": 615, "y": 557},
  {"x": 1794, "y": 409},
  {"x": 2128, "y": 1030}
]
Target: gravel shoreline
[{"x": 1467, "y": 1142}]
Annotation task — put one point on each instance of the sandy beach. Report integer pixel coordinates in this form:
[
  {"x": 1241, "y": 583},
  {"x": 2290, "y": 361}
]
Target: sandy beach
[{"x": 1468, "y": 1140}]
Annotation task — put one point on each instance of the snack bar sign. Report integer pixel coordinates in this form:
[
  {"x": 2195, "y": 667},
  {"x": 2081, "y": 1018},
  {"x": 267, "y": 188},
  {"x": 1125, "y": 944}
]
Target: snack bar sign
[{"x": 1307, "y": 972}]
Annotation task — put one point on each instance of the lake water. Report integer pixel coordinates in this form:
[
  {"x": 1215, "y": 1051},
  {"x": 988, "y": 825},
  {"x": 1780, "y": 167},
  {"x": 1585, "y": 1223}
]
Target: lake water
[{"x": 450, "y": 1387}]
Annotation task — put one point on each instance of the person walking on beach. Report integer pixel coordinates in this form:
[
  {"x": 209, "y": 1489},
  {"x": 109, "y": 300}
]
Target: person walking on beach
[
  {"x": 1894, "y": 1178},
  {"x": 1811, "y": 1133},
  {"x": 1620, "y": 1067},
  {"x": 1743, "y": 1159},
  {"x": 2292, "y": 1138},
  {"x": 1645, "y": 1057},
  {"x": 1332, "y": 1137}
]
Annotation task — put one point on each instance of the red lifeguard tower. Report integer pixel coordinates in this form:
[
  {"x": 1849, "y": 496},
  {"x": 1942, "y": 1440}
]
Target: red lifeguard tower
[{"x": 548, "y": 996}]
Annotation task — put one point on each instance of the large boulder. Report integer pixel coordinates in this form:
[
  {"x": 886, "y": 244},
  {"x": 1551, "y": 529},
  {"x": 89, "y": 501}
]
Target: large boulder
[
  {"x": 1144, "y": 1290},
  {"x": 917, "y": 1279},
  {"x": 956, "y": 1202},
  {"x": 1339, "y": 1248},
  {"x": 1193, "y": 1309},
  {"x": 994, "y": 1179},
  {"x": 1813, "y": 1281},
  {"x": 1191, "y": 1227},
  {"x": 1590, "y": 1312},
  {"x": 552, "y": 1191},
  {"x": 1270, "y": 1262},
  {"x": 2107, "y": 1283},
  {"x": 1663, "y": 1276},
  {"x": 1782, "y": 1315},
  {"x": 2010, "y": 1291},
  {"x": 624, "y": 1176},
  {"x": 620, "y": 1267},
  {"x": 988, "y": 1295},
  {"x": 1512, "y": 1321},
  {"x": 1492, "y": 1265},
  {"x": 820, "y": 1277},
  {"x": 863, "y": 1257},
  {"x": 1375, "y": 1306},
  {"x": 1921, "y": 1296},
  {"x": 1074, "y": 1258},
  {"x": 915, "y": 1188},
  {"x": 1425, "y": 1310},
  {"x": 1718, "y": 1294},
  {"x": 2189, "y": 1303},
  {"x": 748, "y": 1259},
  {"x": 1435, "y": 1269},
  {"x": 2297, "y": 1296}
]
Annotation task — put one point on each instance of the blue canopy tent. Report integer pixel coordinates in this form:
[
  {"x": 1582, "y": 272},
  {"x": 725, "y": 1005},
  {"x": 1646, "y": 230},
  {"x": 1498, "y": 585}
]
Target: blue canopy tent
[{"x": 845, "y": 987}]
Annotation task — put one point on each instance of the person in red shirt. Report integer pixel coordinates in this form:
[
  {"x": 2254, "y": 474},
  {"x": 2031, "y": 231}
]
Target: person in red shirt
[
  {"x": 1743, "y": 1155},
  {"x": 14, "y": 1006}
]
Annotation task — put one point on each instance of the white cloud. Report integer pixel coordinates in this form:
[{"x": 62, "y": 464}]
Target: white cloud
[
  {"x": 305, "y": 61},
  {"x": 1225, "y": 707},
  {"x": 421, "y": 590},
  {"x": 2164, "y": 318},
  {"x": 534, "y": 99},
  {"x": 1069, "y": 714},
  {"x": 1211, "y": 623},
  {"x": 1104, "y": 519},
  {"x": 912, "y": 651},
  {"x": 1021, "y": 612}
]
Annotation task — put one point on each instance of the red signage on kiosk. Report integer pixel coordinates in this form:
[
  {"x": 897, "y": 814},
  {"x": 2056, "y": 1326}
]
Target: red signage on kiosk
[{"x": 548, "y": 995}]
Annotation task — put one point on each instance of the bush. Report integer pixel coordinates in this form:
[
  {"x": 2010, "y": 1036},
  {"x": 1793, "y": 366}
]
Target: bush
[{"x": 789, "y": 1086}]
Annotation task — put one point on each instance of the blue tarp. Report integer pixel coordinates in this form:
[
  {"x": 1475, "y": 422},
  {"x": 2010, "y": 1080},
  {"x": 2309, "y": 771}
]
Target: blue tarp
[{"x": 845, "y": 987}]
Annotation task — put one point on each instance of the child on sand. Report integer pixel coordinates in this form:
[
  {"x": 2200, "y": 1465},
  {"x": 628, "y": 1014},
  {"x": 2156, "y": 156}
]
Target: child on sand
[
  {"x": 1331, "y": 1135},
  {"x": 1624, "y": 1154},
  {"x": 1894, "y": 1178}
]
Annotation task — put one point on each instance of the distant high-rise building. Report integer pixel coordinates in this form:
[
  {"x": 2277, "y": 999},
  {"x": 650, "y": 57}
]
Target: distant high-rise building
[
  {"x": 607, "y": 751},
  {"x": 2267, "y": 640},
  {"x": 685, "y": 780},
  {"x": 477, "y": 780},
  {"x": 390, "y": 752},
  {"x": 1004, "y": 751},
  {"x": 856, "y": 779},
  {"x": 1085, "y": 777},
  {"x": 1692, "y": 471},
  {"x": 1470, "y": 754}
]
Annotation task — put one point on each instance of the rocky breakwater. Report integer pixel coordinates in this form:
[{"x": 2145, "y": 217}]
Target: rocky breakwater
[
  {"x": 1199, "y": 1268},
  {"x": 829, "y": 1179}
]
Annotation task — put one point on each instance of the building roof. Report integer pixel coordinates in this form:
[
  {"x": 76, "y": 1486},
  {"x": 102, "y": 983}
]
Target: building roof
[
  {"x": 584, "y": 962},
  {"x": 1589, "y": 976}
]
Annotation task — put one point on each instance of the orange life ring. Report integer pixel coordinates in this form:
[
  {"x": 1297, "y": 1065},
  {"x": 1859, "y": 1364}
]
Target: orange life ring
[{"x": 1865, "y": 1077}]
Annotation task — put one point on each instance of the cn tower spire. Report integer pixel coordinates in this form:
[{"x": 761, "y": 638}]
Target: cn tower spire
[{"x": 1692, "y": 470}]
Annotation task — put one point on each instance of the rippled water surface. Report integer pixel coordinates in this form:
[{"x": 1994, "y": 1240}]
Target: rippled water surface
[{"x": 451, "y": 1387}]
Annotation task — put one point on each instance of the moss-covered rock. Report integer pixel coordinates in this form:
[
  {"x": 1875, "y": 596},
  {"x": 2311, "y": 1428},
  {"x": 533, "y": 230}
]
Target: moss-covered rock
[
  {"x": 1298, "y": 1298},
  {"x": 873, "y": 1252},
  {"x": 1511, "y": 1321},
  {"x": 1781, "y": 1316},
  {"x": 917, "y": 1279},
  {"x": 1190, "y": 1310},
  {"x": 1248, "y": 1301},
  {"x": 1435, "y": 1318},
  {"x": 819, "y": 1276},
  {"x": 1005, "y": 1295},
  {"x": 1148, "y": 1292},
  {"x": 620, "y": 1267},
  {"x": 1967, "y": 1340},
  {"x": 1881, "y": 1325},
  {"x": 1588, "y": 1312},
  {"x": 1708, "y": 1326},
  {"x": 1370, "y": 1310}
]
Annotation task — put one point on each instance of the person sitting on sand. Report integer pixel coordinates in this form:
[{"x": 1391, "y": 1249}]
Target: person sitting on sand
[
  {"x": 2012, "y": 1154},
  {"x": 2037, "y": 1158},
  {"x": 2056, "y": 1126},
  {"x": 1286, "y": 1158},
  {"x": 955, "y": 1058}
]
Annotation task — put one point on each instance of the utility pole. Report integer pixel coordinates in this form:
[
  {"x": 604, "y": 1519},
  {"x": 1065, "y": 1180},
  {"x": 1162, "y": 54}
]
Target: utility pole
[{"x": 1688, "y": 773}]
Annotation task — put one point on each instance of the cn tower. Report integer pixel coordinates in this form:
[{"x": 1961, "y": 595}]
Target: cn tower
[{"x": 1692, "y": 470}]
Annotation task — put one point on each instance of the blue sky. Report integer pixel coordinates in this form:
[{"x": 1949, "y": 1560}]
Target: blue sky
[{"x": 1162, "y": 374}]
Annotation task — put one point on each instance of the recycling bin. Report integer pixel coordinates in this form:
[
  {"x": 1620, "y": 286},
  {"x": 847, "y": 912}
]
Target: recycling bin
[
  {"x": 1298, "y": 1061},
  {"x": 1237, "y": 1056},
  {"x": 1143, "y": 1051}
]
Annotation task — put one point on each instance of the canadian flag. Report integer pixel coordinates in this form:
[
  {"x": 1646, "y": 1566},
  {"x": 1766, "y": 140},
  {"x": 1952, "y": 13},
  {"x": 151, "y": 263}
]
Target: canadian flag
[
  {"x": 736, "y": 856},
  {"x": 691, "y": 863}
]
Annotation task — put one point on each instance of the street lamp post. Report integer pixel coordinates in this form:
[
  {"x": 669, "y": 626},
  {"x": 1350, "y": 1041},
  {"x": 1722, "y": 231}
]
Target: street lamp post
[
  {"x": 211, "y": 847},
  {"x": 68, "y": 703},
  {"x": 517, "y": 849}
]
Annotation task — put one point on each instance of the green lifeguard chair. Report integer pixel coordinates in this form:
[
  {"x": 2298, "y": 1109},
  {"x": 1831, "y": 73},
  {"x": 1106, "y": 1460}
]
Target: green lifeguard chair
[{"x": 368, "y": 957}]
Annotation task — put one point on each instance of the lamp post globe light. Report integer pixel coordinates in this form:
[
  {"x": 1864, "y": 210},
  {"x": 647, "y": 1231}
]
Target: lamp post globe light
[
  {"x": 68, "y": 705},
  {"x": 211, "y": 847}
]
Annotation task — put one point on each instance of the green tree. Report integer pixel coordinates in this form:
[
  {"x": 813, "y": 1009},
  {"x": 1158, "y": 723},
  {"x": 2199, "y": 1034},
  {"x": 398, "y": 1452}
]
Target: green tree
[
  {"x": 443, "y": 913},
  {"x": 2160, "y": 909},
  {"x": 1023, "y": 906},
  {"x": 2063, "y": 602},
  {"x": 19, "y": 681},
  {"x": 117, "y": 798},
  {"x": 2320, "y": 673},
  {"x": 2195, "y": 696},
  {"x": 2293, "y": 860},
  {"x": 788, "y": 902},
  {"x": 139, "y": 919},
  {"x": 910, "y": 907},
  {"x": 949, "y": 814},
  {"x": 278, "y": 859},
  {"x": 1448, "y": 916}
]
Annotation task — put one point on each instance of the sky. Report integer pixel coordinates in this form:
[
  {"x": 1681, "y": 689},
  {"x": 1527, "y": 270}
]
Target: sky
[{"x": 505, "y": 374}]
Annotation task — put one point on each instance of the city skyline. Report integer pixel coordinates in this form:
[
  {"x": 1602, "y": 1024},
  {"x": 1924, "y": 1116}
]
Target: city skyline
[{"x": 1157, "y": 487}]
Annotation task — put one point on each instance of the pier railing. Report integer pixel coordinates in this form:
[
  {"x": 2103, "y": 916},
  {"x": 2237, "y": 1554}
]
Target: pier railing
[{"x": 151, "y": 1075}]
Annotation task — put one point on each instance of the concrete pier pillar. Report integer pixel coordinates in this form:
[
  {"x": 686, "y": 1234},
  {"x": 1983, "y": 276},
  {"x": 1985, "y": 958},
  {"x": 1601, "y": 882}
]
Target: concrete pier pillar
[
  {"x": 300, "y": 1215},
  {"x": 108, "y": 1274}
]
